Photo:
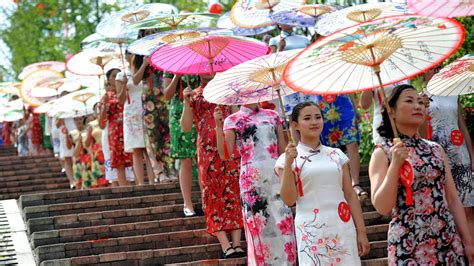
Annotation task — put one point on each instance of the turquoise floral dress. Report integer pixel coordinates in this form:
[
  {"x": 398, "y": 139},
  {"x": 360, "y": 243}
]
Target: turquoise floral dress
[{"x": 340, "y": 123}]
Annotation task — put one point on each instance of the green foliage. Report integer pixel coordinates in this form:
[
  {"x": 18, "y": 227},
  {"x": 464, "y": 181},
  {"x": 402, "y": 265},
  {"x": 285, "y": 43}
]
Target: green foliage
[{"x": 49, "y": 29}]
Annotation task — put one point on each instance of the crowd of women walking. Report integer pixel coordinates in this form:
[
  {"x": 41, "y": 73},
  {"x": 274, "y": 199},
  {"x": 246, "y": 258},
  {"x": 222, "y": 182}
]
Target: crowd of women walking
[{"x": 152, "y": 126}]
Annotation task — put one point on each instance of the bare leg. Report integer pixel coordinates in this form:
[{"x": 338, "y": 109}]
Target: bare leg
[
  {"x": 354, "y": 164},
  {"x": 122, "y": 180},
  {"x": 186, "y": 182},
  {"x": 470, "y": 219},
  {"x": 115, "y": 184},
  {"x": 223, "y": 240},
  {"x": 236, "y": 236},
  {"x": 149, "y": 170},
  {"x": 68, "y": 167},
  {"x": 138, "y": 166}
]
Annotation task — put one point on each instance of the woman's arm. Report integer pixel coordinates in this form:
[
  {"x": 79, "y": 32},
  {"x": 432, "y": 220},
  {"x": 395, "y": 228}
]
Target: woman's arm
[
  {"x": 88, "y": 141},
  {"x": 281, "y": 140},
  {"x": 138, "y": 76},
  {"x": 121, "y": 85},
  {"x": 384, "y": 178},
  {"x": 356, "y": 211},
  {"x": 104, "y": 106},
  {"x": 186, "y": 120},
  {"x": 288, "y": 190},
  {"x": 366, "y": 99},
  {"x": 170, "y": 86},
  {"x": 465, "y": 133}
]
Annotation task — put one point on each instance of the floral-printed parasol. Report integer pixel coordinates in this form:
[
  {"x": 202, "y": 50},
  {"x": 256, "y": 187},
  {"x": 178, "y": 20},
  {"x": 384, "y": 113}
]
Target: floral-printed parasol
[
  {"x": 226, "y": 23},
  {"x": 442, "y": 8},
  {"x": 303, "y": 16},
  {"x": 455, "y": 79}
]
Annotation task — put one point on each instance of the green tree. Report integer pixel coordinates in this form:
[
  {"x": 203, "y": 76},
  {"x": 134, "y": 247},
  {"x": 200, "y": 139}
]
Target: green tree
[{"x": 49, "y": 29}]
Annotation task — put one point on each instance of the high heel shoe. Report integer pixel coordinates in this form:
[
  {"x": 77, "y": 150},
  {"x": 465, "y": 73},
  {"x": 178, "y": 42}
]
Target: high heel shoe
[{"x": 188, "y": 213}]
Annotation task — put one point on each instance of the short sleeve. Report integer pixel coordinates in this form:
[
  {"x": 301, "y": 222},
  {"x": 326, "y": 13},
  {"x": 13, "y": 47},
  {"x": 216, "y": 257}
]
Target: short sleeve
[
  {"x": 280, "y": 163},
  {"x": 343, "y": 159},
  {"x": 120, "y": 76},
  {"x": 168, "y": 75},
  {"x": 229, "y": 122},
  {"x": 273, "y": 41}
]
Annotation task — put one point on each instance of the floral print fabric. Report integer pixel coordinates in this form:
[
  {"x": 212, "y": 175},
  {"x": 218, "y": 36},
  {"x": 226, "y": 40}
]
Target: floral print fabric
[
  {"x": 219, "y": 179},
  {"x": 268, "y": 222},
  {"x": 424, "y": 233},
  {"x": 323, "y": 236},
  {"x": 340, "y": 123}
]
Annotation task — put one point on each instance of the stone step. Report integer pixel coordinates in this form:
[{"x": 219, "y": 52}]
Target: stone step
[
  {"x": 15, "y": 192},
  {"x": 375, "y": 262},
  {"x": 84, "y": 220},
  {"x": 99, "y": 194},
  {"x": 32, "y": 177},
  {"x": 212, "y": 262},
  {"x": 36, "y": 181},
  {"x": 30, "y": 171},
  {"x": 22, "y": 166},
  {"x": 128, "y": 229},
  {"x": 105, "y": 205},
  {"x": 7, "y": 160}
]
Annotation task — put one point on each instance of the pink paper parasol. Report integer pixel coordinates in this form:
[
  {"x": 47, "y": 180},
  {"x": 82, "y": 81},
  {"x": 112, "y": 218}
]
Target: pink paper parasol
[
  {"x": 207, "y": 54},
  {"x": 442, "y": 8},
  {"x": 54, "y": 65}
]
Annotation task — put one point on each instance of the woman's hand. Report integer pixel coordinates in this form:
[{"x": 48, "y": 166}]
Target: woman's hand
[
  {"x": 187, "y": 94},
  {"x": 399, "y": 153},
  {"x": 218, "y": 117},
  {"x": 145, "y": 61},
  {"x": 291, "y": 152},
  {"x": 363, "y": 244},
  {"x": 469, "y": 251}
]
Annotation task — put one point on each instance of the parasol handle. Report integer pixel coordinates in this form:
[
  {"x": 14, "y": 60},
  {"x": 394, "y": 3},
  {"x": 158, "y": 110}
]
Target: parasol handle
[
  {"x": 376, "y": 69},
  {"x": 288, "y": 130},
  {"x": 123, "y": 66}
]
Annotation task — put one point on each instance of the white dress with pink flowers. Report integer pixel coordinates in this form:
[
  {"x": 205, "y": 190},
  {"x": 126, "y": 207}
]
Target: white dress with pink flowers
[
  {"x": 325, "y": 231},
  {"x": 268, "y": 222}
]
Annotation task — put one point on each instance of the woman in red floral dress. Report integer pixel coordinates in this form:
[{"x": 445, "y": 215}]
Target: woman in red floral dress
[
  {"x": 112, "y": 110},
  {"x": 219, "y": 179}
]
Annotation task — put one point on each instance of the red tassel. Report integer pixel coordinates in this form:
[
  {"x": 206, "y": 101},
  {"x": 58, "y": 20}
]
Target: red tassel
[
  {"x": 379, "y": 97},
  {"x": 299, "y": 184},
  {"x": 150, "y": 79},
  {"x": 430, "y": 128},
  {"x": 180, "y": 89},
  {"x": 409, "y": 195}
]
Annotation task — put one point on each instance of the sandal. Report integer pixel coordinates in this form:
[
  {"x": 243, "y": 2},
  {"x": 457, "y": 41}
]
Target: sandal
[
  {"x": 361, "y": 193},
  {"x": 229, "y": 253},
  {"x": 240, "y": 251}
]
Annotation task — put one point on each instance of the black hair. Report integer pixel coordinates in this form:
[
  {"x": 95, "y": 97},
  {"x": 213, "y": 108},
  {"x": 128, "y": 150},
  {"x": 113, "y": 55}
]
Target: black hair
[
  {"x": 110, "y": 71},
  {"x": 385, "y": 128},
  {"x": 297, "y": 110}
]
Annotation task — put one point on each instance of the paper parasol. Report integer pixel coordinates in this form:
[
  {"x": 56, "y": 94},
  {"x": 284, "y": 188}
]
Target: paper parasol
[
  {"x": 10, "y": 87},
  {"x": 207, "y": 54},
  {"x": 455, "y": 79},
  {"x": 33, "y": 81},
  {"x": 256, "y": 13},
  {"x": 226, "y": 23},
  {"x": 354, "y": 15},
  {"x": 373, "y": 54},
  {"x": 90, "y": 62},
  {"x": 116, "y": 24},
  {"x": 54, "y": 65},
  {"x": 149, "y": 44},
  {"x": 188, "y": 20},
  {"x": 303, "y": 16},
  {"x": 442, "y": 8}
]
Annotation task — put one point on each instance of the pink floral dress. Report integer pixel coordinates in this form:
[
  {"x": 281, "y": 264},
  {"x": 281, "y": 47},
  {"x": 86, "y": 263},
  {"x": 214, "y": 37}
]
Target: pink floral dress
[
  {"x": 423, "y": 233},
  {"x": 325, "y": 231},
  {"x": 268, "y": 222}
]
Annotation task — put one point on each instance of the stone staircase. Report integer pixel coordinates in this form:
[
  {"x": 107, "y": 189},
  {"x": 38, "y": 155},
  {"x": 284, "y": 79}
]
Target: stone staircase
[
  {"x": 136, "y": 225},
  {"x": 31, "y": 174}
]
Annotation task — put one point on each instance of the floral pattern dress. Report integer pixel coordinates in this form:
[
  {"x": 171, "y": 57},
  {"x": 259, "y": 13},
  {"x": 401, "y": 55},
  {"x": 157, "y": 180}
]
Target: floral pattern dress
[
  {"x": 219, "y": 179},
  {"x": 268, "y": 222},
  {"x": 340, "y": 123},
  {"x": 423, "y": 233},
  {"x": 325, "y": 231},
  {"x": 156, "y": 127},
  {"x": 118, "y": 156}
]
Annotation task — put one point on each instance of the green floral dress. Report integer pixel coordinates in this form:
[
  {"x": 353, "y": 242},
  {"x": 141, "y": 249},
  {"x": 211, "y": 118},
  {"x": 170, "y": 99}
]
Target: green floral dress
[{"x": 156, "y": 127}]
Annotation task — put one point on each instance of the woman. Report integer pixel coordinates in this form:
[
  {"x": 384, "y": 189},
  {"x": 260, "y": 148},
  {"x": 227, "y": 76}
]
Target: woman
[
  {"x": 428, "y": 222},
  {"x": 325, "y": 232},
  {"x": 65, "y": 150},
  {"x": 219, "y": 178},
  {"x": 182, "y": 145},
  {"x": 94, "y": 144},
  {"x": 112, "y": 113},
  {"x": 268, "y": 221},
  {"x": 130, "y": 94}
]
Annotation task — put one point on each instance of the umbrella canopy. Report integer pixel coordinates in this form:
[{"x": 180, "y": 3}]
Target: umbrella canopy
[
  {"x": 78, "y": 103},
  {"x": 10, "y": 87},
  {"x": 226, "y": 23},
  {"x": 53, "y": 88},
  {"x": 90, "y": 62},
  {"x": 84, "y": 81},
  {"x": 442, "y": 8},
  {"x": 207, "y": 54},
  {"x": 303, "y": 16},
  {"x": 11, "y": 116},
  {"x": 256, "y": 13},
  {"x": 354, "y": 15},
  {"x": 185, "y": 20},
  {"x": 45, "y": 107},
  {"x": 455, "y": 79},
  {"x": 15, "y": 105},
  {"x": 402, "y": 46},
  {"x": 116, "y": 24},
  {"x": 149, "y": 44},
  {"x": 54, "y": 65},
  {"x": 34, "y": 81},
  {"x": 253, "y": 81},
  {"x": 97, "y": 41}
]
